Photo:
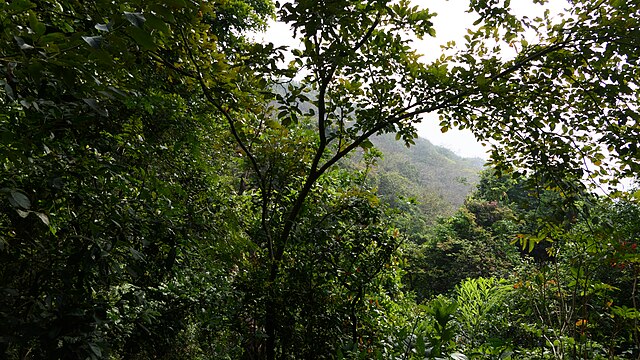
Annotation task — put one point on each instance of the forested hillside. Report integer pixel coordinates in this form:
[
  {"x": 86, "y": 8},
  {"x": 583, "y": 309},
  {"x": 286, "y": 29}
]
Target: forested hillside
[
  {"x": 172, "y": 189},
  {"x": 432, "y": 174}
]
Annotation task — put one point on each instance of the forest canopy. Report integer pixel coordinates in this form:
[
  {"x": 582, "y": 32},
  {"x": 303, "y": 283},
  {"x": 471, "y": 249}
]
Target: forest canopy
[{"x": 170, "y": 188}]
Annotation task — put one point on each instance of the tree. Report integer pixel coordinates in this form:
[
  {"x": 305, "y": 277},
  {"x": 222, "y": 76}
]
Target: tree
[
  {"x": 347, "y": 67},
  {"x": 362, "y": 78},
  {"x": 108, "y": 187},
  {"x": 565, "y": 107},
  {"x": 474, "y": 242}
]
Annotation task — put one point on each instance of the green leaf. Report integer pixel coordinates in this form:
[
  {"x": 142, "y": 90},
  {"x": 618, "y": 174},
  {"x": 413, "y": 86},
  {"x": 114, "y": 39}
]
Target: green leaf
[
  {"x": 95, "y": 106},
  {"x": 481, "y": 80},
  {"x": 20, "y": 5},
  {"x": 618, "y": 3},
  {"x": 103, "y": 27},
  {"x": 164, "y": 13},
  {"x": 95, "y": 349},
  {"x": 136, "y": 19},
  {"x": 19, "y": 200},
  {"x": 420, "y": 346},
  {"x": 93, "y": 41},
  {"x": 43, "y": 217},
  {"x": 51, "y": 38},
  {"x": 176, "y": 4},
  {"x": 35, "y": 25},
  {"x": 155, "y": 23},
  {"x": 23, "y": 214},
  {"x": 366, "y": 145},
  {"x": 458, "y": 356},
  {"x": 136, "y": 254},
  {"x": 22, "y": 44},
  {"x": 9, "y": 91},
  {"x": 142, "y": 37},
  {"x": 273, "y": 124}
]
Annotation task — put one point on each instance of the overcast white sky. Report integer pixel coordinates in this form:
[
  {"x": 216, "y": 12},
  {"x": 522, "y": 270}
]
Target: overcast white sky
[{"x": 451, "y": 23}]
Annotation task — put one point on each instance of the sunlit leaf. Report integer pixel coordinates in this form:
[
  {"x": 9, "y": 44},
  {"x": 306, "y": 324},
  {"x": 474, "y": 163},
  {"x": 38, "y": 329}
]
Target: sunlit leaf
[
  {"x": 19, "y": 200},
  {"x": 136, "y": 19},
  {"x": 93, "y": 41}
]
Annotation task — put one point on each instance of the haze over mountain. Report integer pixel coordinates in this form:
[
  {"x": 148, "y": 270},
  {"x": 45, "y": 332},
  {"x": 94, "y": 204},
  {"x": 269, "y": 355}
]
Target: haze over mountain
[{"x": 435, "y": 176}]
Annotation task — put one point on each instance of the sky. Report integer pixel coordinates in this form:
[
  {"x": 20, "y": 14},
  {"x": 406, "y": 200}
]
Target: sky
[{"x": 451, "y": 23}]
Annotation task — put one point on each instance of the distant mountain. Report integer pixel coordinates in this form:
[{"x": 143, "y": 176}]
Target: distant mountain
[{"x": 436, "y": 177}]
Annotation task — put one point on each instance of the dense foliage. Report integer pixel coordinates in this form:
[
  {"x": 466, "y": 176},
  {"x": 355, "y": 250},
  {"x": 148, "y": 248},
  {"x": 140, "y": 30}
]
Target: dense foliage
[{"x": 167, "y": 190}]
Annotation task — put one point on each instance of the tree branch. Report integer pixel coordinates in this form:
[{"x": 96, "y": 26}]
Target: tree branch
[{"x": 236, "y": 136}]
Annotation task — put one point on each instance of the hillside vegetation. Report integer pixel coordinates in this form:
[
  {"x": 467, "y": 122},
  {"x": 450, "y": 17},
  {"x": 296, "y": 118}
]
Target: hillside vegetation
[
  {"x": 171, "y": 189},
  {"x": 426, "y": 172}
]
